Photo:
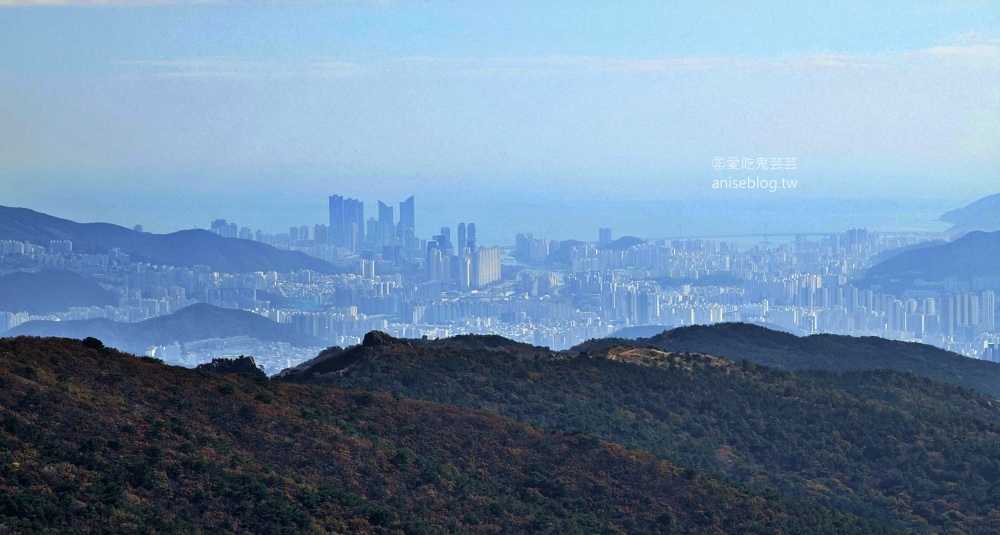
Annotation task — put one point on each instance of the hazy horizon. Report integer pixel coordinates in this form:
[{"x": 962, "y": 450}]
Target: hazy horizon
[
  {"x": 499, "y": 221},
  {"x": 833, "y": 359},
  {"x": 116, "y": 101}
]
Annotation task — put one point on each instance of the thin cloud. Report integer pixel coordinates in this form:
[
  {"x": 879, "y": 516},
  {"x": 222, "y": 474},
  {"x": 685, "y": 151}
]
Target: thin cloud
[
  {"x": 99, "y": 3},
  {"x": 227, "y": 67},
  {"x": 139, "y": 3},
  {"x": 950, "y": 7},
  {"x": 967, "y": 50}
]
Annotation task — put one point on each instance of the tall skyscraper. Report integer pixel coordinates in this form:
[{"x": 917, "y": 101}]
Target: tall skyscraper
[
  {"x": 987, "y": 317},
  {"x": 604, "y": 237},
  {"x": 444, "y": 240},
  {"x": 224, "y": 229},
  {"x": 485, "y": 267},
  {"x": 462, "y": 242},
  {"x": 948, "y": 321},
  {"x": 373, "y": 234},
  {"x": 470, "y": 230},
  {"x": 347, "y": 222},
  {"x": 437, "y": 266},
  {"x": 407, "y": 226},
  {"x": 387, "y": 226},
  {"x": 321, "y": 233},
  {"x": 464, "y": 272},
  {"x": 522, "y": 245}
]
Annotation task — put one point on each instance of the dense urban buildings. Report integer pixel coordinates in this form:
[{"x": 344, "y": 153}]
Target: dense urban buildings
[{"x": 540, "y": 291}]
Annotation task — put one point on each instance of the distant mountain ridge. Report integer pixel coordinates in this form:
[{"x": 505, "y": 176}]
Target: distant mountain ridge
[
  {"x": 889, "y": 253},
  {"x": 973, "y": 255},
  {"x": 983, "y": 214},
  {"x": 186, "y": 248},
  {"x": 49, "y": 291},
  {"x": 335, "y": 360},
  {"x": 96, "y": 441},
  {"x": 642, "y": 332},
  {"x": 833, "y": 352},
  {"x": 625, "y": 242},
  {"x": 882, "y": 444},
  {"x": 196, "y": 322},
  {"x": 634, "y": 332}
]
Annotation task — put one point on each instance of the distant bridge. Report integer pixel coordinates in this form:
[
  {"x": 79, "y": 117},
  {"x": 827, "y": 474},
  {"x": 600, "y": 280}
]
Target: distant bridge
[
  {"x": 790, "y": 235},
  {"x": 509, "y": 249}
]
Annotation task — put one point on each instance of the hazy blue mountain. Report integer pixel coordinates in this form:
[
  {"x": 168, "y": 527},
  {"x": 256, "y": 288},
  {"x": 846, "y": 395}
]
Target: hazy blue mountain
[
  {"x": 49, "y": 291},
  {"x": 642, "y": 332},
  {"x": 196, "y": 322},
  {"x": 972, "y": 255},
  {"x": 786, "y": 351},
  {"x": 186, "y": 248},
  {"x": 561, "y": 255},
  {"x": 889, "y": 253},
  {"x": 983, "y": 214},
  {"x": 625, "y": 242},
  {"x": 639, "y": 331}
]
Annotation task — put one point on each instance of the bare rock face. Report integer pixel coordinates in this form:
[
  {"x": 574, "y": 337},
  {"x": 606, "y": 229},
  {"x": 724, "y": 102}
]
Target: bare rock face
[
  {"x": 379, "y": 338},
  {"x": 241, "y": 364}
]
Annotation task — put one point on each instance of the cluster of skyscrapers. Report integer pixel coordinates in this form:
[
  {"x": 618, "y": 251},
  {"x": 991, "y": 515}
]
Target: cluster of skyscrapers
[
  {"x": 803, "y": 286},
  {"x": 455, "y": 263},
  {"x": 348, "y": 229},
  {"x": 383, "y": 244},
  {"x": 549, "y": 292}
]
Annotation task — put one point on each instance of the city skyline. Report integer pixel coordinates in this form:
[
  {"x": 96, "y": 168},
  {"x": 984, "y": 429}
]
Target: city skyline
[
  {"x": 540, "y": 291},
  {"x": 499, "y": 267},
  {"x": 581, "y": 220},
  {"x": 493, "y": 143}
]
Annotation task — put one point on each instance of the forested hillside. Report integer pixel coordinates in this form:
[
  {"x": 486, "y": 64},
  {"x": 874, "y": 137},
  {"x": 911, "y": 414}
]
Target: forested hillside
[
  {"x": 93, "y": 440},
  {"x": 892, "y": 446}
]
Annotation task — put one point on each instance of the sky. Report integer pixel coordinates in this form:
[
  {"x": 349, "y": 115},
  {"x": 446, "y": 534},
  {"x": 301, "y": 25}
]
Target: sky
[{"x": 171, "y": 113}]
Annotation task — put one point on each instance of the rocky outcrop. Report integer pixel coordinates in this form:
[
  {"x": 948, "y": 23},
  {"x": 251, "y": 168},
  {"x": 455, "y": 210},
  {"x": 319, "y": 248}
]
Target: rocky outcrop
[
  {"x": 379, "y": 338},
  {"x": 241, "y": 364}
]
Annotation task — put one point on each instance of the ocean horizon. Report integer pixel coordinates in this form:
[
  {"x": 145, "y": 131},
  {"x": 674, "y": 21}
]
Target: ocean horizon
[{"x": 498, "y": 221}]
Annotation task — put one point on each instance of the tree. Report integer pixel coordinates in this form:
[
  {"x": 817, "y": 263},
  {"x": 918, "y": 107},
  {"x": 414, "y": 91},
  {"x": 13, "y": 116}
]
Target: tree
[{"x": 93, "y": 343}]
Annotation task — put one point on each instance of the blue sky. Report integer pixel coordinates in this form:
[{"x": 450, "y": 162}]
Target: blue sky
[{"x": 133, "y": 108}]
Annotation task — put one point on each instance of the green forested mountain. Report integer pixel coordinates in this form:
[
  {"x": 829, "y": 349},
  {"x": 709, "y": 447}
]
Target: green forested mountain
[
  {"x": 921, "y": 455},
  {"x": 97, "y": 441},
  {"x": 784, "y": 351}
]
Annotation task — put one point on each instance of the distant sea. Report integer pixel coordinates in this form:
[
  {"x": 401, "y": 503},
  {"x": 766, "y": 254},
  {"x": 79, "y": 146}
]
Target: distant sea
[
  {"x": 499, "y": 220},
  {"x": 497, "y": 223},
  {"x": 499, "y": 215}
]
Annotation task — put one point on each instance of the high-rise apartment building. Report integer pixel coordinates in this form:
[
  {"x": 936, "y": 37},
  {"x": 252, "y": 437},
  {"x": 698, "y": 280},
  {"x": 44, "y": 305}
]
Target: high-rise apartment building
[
  {"x": 470, "y": 231},
  {"x": 463, "y": 241},
  {"x": 485, "y": 267},
  {"x": 407, "y": 227},
  {"x": 603, "y": 237},
  {"x": 386, "y": 224},
  {"x": 987, "y": 316},
  {"x": 347, "y": 222}
]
